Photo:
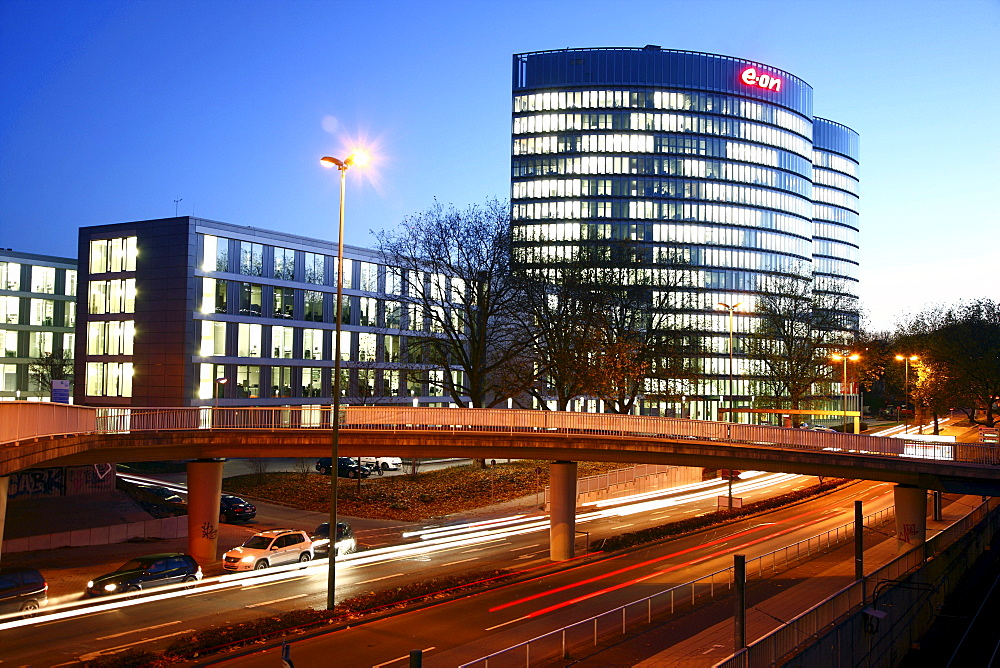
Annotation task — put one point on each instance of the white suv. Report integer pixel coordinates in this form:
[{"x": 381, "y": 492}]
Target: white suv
[
  {"x": 384, "y": 463},
  {"x": 269, "y": 548}
]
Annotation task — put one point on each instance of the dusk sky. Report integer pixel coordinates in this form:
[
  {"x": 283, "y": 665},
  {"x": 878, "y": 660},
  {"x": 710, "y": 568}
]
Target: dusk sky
[{"x": 111, "y": 110}]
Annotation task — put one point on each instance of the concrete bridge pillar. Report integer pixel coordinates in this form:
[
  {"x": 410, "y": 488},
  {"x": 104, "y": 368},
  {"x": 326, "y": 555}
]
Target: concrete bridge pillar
[
  {"x": 4, "y": 486},
  {"x": 204, "y": 480},
  {"x": 562, "y": 513},
  {"x": 911, "y": 515}
]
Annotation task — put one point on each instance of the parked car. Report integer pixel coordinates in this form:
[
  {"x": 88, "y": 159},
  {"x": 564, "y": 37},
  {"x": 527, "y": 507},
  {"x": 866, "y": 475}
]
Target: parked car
[
  {"x": 166, "y": 495},
  {"x": 154, "y": 570},
  {"x": 346, "y": 543},
  {"x": 234, "y": 509},
  {"x": 22, "y": 590},
  {"x": 384, "y": 463},
  {"x": 269, "y": 548},
  {"x": 346, "y": 467}
]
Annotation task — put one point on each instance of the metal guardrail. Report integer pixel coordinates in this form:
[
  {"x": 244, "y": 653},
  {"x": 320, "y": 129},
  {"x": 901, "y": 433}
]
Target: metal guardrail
[
  {"x": 589, "y": 632},
  {"x": 398, "y": 418},
  {"x": 807, "y": 627}
]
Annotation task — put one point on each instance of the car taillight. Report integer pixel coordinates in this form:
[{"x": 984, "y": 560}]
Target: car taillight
[{"x": 45, "y": 586}]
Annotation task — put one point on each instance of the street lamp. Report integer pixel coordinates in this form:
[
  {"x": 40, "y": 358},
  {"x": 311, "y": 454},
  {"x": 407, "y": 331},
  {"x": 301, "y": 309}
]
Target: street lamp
[
  {"x": 726, "y": 307},
  {"x": 220, "y": 389},
  {"x": 843, "y": 357},
  {"x": 906, "y": 359},
  {"x": 342, "y": 165}
]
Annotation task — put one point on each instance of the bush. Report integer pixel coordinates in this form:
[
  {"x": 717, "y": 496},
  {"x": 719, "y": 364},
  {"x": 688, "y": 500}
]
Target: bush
[{"x": 130, "y": 658}]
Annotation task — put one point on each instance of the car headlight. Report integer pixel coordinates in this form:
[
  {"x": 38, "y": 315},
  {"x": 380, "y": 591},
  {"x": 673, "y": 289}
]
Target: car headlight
[
  {"x": 247, "y": 560},
  {"x": 90, "y": 583},
  {"x": 110, "y": 587}
]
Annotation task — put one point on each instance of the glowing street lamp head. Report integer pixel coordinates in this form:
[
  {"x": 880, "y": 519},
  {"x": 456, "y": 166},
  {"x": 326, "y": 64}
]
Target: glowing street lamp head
[
  {"x": 358, "y": 158},
  {"x": 909, "y": 358}
]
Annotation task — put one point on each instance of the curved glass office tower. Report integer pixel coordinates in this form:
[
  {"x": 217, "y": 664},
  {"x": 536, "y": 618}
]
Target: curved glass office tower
[{"x": 713, "y": 166}]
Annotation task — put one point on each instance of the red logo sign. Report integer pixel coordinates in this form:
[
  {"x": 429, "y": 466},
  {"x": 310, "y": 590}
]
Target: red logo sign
[{"x": 766, "y": 81}]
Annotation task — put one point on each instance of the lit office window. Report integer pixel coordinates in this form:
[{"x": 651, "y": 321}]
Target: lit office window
[
  {"x": 69, "y": 343},
  {"x": 312, "y": 382},
  {"x": 284, "y": 302},
  {"x": 109, "y": 379},
  {"x": 366, "y": 347},
  {"x": 115, "y": 296},
  {"x": 391, "y": 348},
  {"x": 208, "y": 385},
  {"x": 113, "y": 255},
  {"x": 248, "y": 382},
  {"x": 368, "y": 310},
  {"x": 8, "y": 377},
  {"x": 312, "y": 344},
  {"x": 41, "y": 312},
  {"x": 250, "y": 299},
  {"x": 281, "y": 379},
  {"x": 345, "y": 346},
  {"x": 8, "y": 343},
  {"x": 213, "y": 338},
  {"x": 70, "y": 282},
  {"x": 43, "y": 279},
  {"x": 249, "y": 338},
  {"x": 9, "y": 309},
  {"x": 348, "y": 272},
  {"x": 281, "y": 341},
  {"x": 215, "y": 253},
  {"x": 10, "y": 276}
]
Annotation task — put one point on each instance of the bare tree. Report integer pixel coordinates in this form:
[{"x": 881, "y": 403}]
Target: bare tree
[
  {"x": 50, "y": 366},
  {"x": 460, "y": 296},
  {"x": 797, "y": 329}
]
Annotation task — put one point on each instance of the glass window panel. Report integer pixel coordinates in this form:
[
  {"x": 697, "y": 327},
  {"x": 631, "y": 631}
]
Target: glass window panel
[
  {"x": 314, "y": 268},
  {"x": 248, "y": 340},
  {"x": 314, "y": 306},
  {"x": 251, "y": 259},
  {"x": 42, "y": 311},
  {"x": 9, "y": 309},
  {"x": 248, "y": 382},
  {"x": 312, "y": 344},
  {"x": 10, "y": 276},
  {"x": 43, "y": 279},
  {"x": 366, "y": 347},
  {"x": 369, "y": 277},
  {"x": 281, "y": 341},
  {"x": 250, "y": 299},
  {"x": 284, "y": 263}
]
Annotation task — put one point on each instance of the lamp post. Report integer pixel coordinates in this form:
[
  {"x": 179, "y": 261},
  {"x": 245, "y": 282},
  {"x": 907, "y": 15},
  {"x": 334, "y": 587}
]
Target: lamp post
[
  {"x": 726, "y": 307},
  {"x": 906, "y": 359},
  {"x": 342, "y": 165},
  {"x": 220, "y": 389},
  {"x": 843, "y": 357}
]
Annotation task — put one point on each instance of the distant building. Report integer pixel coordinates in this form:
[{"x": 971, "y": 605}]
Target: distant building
[
  {"x": 714, "y": 168},
  {"x": 37, "y": 318},
  {"x": 176, "y": 306}
]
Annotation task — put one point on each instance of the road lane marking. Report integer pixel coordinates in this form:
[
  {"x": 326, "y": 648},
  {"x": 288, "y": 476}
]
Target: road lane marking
[
  {"x": 526, "y": 547},
  {"x": 144, "y": 628},
  {"x": 452, "y": 563},
  {"x": 622, "y": 526},
  {"x": 273, "y": 582},
  {"x": 277, "y": 600},
  {"x": 384, "y": 577},
  {"x": 506, "y": 623},
  {"x": 122, "y": 648},
  {"x": 400, "y": 658}
]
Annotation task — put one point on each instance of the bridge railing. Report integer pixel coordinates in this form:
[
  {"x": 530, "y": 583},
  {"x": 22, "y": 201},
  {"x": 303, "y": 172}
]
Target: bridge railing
[
  {"x": 557, "y": 644},
  {"x": 20, "y": 420}
]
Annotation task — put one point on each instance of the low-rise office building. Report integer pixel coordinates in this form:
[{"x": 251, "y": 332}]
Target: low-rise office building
[
  {"x": 192, "y": 312},
  {"x": 37, "y": 321}
]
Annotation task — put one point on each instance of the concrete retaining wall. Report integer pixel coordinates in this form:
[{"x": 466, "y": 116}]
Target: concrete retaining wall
[
  {"x": 632, "y": 480},
  {"x": 167, "y": 527}
]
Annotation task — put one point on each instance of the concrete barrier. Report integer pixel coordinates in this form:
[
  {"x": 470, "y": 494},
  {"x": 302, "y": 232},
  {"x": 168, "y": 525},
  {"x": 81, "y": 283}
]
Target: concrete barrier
[{"x": 167, "y": 527}]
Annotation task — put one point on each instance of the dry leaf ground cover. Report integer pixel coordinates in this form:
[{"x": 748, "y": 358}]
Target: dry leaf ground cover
[{"x": 406, "y": 497}]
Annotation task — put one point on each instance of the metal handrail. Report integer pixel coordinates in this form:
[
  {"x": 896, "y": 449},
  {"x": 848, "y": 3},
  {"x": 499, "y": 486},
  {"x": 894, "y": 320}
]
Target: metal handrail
[
  {"x": 802, "y": 549},
  {"x": 400, "y": 418}
]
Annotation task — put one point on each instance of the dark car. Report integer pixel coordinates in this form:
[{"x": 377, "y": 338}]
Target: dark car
[
  {"x": 153, "y": 570},
  {"x": 22, "y": 590},
  {"x": 166, "y": 495},
  {"x": 234, "y": 509},
  {"x": 346, "y": 543},
  {"x": 346, "y": 467}
]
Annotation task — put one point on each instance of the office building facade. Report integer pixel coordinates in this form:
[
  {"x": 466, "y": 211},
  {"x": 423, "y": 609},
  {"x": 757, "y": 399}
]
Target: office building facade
[
  {"x": 192, "y": 312},
  {"x": 714, "y": 169},
  {"x": 37, "y": 321}
]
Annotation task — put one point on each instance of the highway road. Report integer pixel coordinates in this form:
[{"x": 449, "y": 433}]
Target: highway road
[{"x": 515, "y": 543}]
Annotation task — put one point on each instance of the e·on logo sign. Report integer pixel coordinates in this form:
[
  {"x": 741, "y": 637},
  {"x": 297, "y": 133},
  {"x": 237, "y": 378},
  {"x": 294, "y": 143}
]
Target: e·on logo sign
[{"x": 765, "y": 81}]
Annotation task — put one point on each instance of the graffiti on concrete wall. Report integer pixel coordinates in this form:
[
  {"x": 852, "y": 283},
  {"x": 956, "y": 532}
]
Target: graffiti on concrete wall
[{"x": 62, "y": 481}]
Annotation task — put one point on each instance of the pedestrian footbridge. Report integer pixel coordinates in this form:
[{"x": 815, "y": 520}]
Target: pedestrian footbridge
[{"x": 37, "y": 434}]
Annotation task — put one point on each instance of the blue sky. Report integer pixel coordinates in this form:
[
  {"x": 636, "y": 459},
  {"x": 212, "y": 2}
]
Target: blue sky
[{"x": 111, "y": 110}]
